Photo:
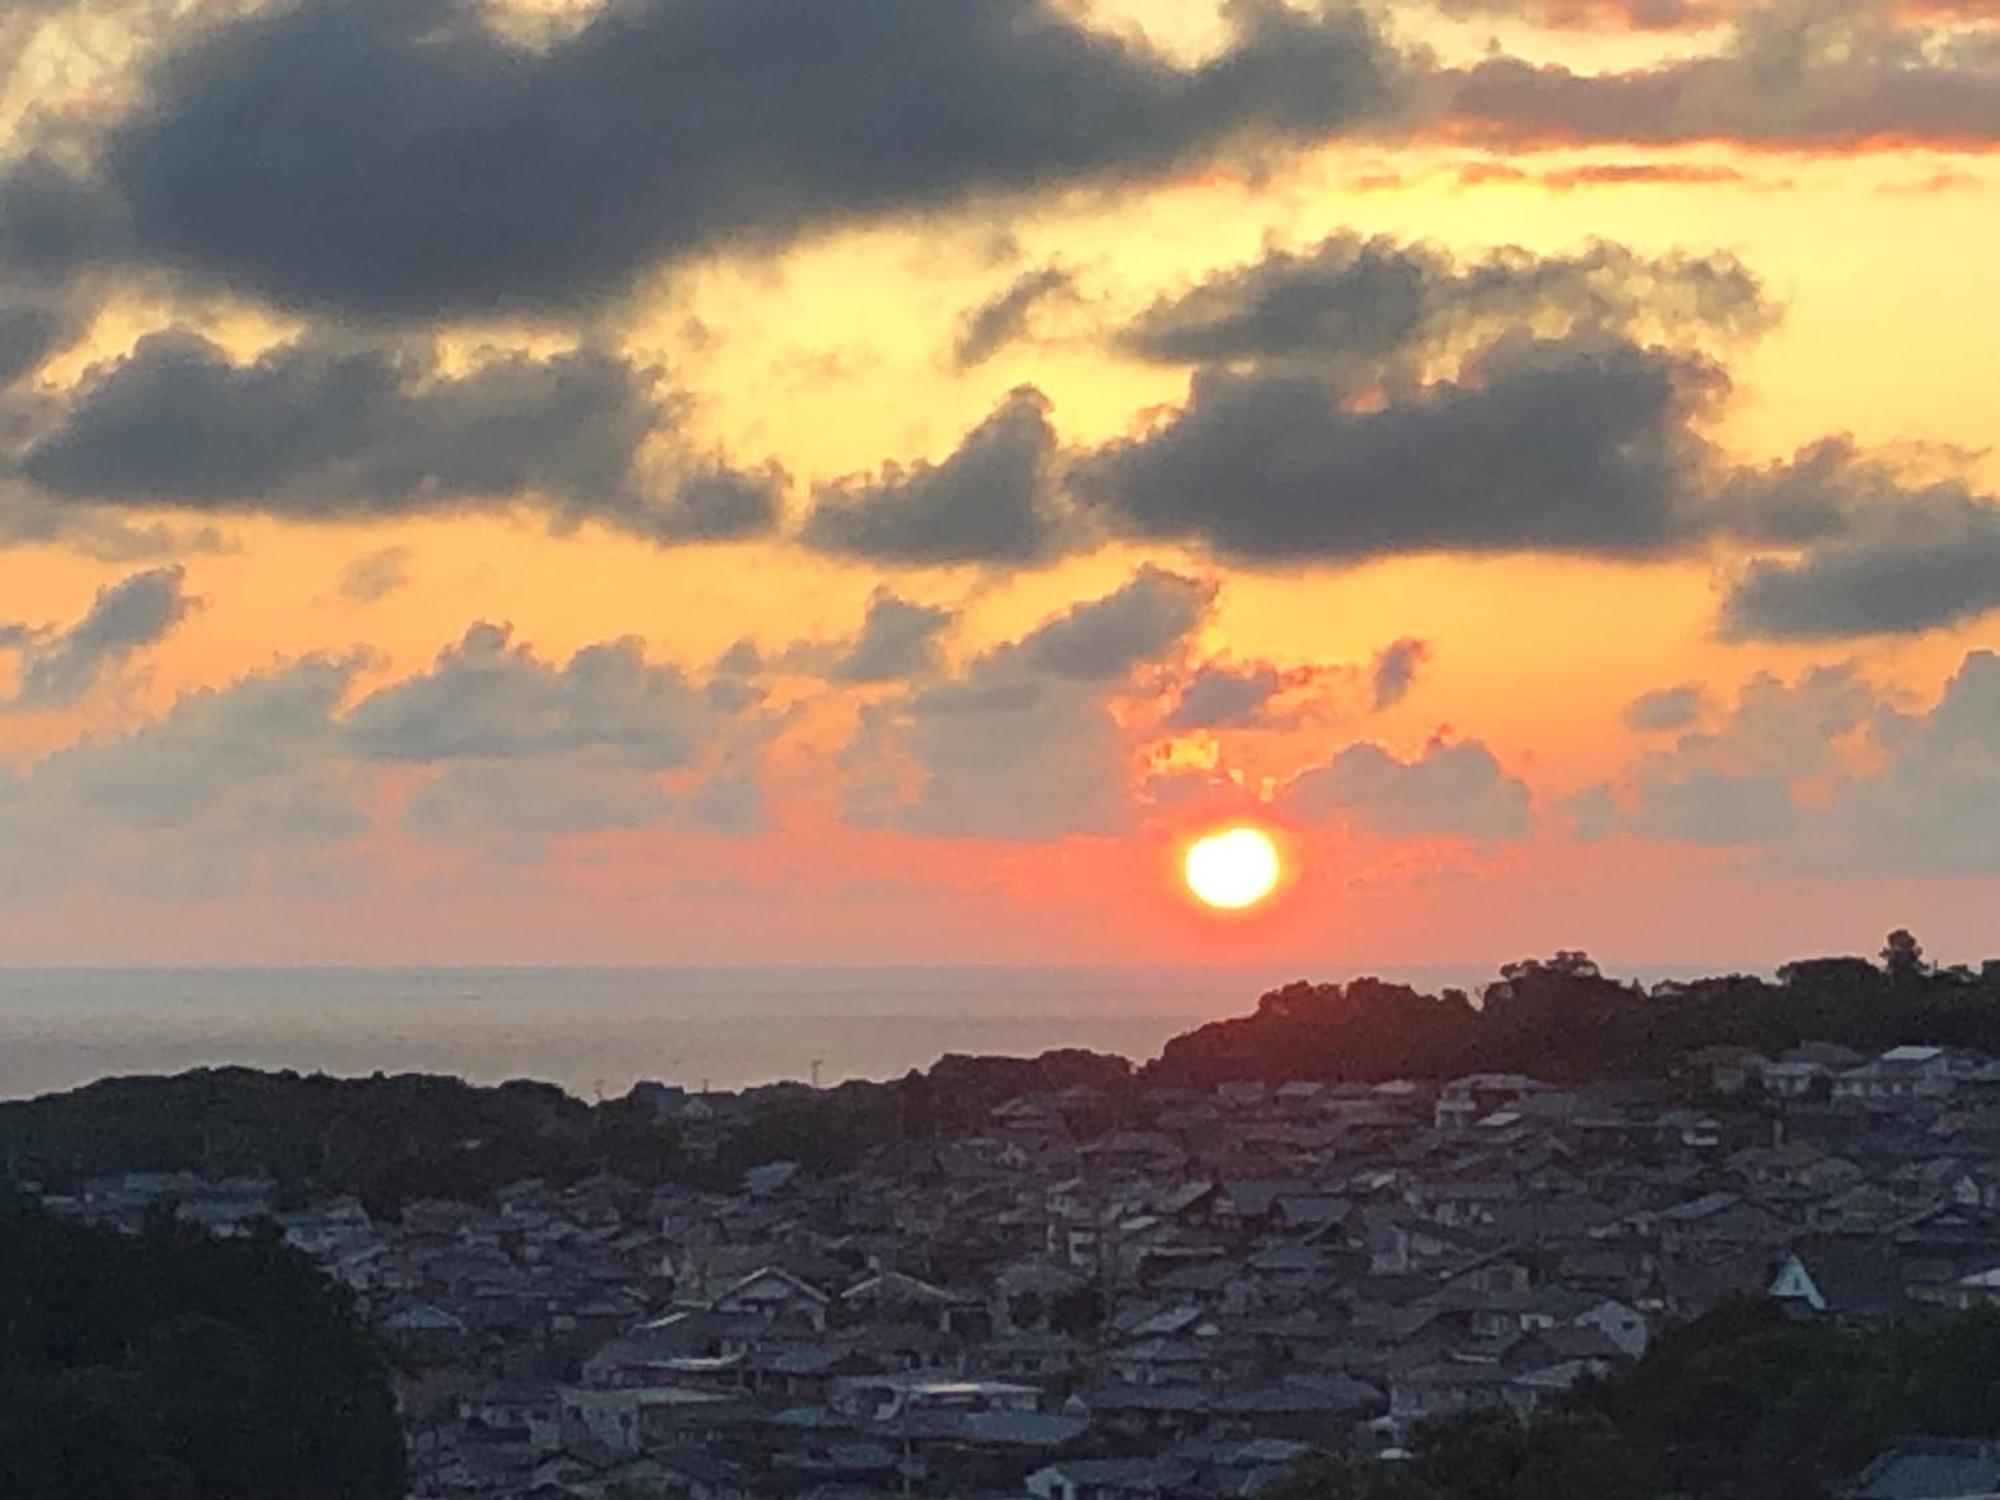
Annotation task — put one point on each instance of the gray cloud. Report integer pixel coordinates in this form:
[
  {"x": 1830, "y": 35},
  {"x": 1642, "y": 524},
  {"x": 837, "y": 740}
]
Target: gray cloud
[
  {"x": 1354, "y": 302},
  {"x": 1875, "y": 551},
  {"x": 898, "y": 639},
  {"x": 1106, "y": 638},
  {"x": 31, "y": 330},
  {"x": 994, "y": 500},
  {"x": 1894, "y": 585},
  {"x": 1022, "y": 743},
  {"x": 53, "y": 222},
  {"x": 1665, "y": 709},
  {"x": 375, "y": 576},
  {"x": 398, "y": 157},
  {"x": 1814, "y": 75},
  {"x": 1002, "y": 318},
  {"x": 60, "y": 667},
  {"x": 1577, "y": 445},
  {"x": 1455, "y": 788},
  {"x": 318, "y": 430},
  {"x": 1735, "y": 784},
  {"x": 486, "y": 698},
  {"x": 1395, "y": 670},
  {"x": 338, "y": 432},
  {"x": 261, "y": 729},
  {"x": 1220, "y": 696}
]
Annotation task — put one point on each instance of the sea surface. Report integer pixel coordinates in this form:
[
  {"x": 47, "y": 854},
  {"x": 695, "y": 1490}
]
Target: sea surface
[{"x": 596, "y": 1031}]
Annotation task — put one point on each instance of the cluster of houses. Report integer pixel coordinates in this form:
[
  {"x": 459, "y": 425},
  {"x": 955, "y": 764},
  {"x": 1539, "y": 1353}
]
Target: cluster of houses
[{"x": 1168, "y": 1299}]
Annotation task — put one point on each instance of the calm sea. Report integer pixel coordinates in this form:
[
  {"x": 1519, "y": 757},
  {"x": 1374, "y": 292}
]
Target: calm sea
[{"x": 596, "y": 1030}]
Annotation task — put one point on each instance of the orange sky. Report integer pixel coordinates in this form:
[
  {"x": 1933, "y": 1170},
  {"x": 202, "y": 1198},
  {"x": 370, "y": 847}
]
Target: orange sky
[{"x": 684, "y": 808}]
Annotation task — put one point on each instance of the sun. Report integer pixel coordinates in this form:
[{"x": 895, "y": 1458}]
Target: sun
[{"x": 1232, "y": 869}]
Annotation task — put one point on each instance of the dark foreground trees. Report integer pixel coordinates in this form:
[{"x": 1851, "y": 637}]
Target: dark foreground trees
[
  {"x": 1742, "y": 1404},
  {"x": 169, "y": 1366}
]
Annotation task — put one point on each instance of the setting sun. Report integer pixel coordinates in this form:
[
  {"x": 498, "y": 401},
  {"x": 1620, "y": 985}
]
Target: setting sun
[{"x": 1233, "y": 869}]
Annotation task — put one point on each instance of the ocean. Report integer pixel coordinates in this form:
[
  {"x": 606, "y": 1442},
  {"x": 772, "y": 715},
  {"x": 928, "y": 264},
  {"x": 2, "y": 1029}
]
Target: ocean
[{"x": 597, "y": 1031}]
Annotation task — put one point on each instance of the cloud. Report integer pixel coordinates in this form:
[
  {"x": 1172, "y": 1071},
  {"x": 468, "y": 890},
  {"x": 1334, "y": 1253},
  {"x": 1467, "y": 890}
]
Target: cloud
[
  {"x": 398, "y": 157},
  {"x": 1106, "y": 638},
  {"x": 1739, "y": 783},
  {"x": 1396, "y": 670},
  {"x": 1829, "y": 776},
  {"x": 996, "y": 499},
  {"x": 1002, "y": 318},
  {"x": 319, "y": 430},
  {"x": 1022, "y": 742},
  {"x": 1830, "y": 75},
  {"x": 53, "y": 222},
  {"x": 339, "y": 433},
  {"x": 1878, "y": 551},
  {"x": 1354, "y": 303},
  {"x": 898, "y": 639},
  {"x": 375, "y": 576},
  {"x": 289, "y": 772},
  {"x": 261, "y": 729},
  {"x": 1577, "y": 445},
  {"x": 1453, "y": 788},
  {"x": 60, "y": 667},
  {"x": 1665, "y": 709},
  {"x": 1220, "y": 696},
  {"x": 486, "y": 698}
]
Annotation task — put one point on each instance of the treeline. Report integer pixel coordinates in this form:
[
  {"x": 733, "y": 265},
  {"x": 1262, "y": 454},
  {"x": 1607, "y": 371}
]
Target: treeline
[
  {"x": 391, "y": 1139},
  {"x": 1742, "y": 1404},
  {"x": 388, "y": 1140},
  {"x": 1562, "y": 1019},
  {"x": 168, "y": 1366}
]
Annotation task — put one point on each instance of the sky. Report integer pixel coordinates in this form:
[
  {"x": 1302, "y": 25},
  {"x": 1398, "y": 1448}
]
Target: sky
[{"x": 729, "y": 481}]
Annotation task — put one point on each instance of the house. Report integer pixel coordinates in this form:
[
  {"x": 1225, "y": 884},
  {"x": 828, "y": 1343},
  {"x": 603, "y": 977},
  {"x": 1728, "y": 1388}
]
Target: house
[
  {"x": 1899, "y": 1075},
  {"x": 776, "y": 1296},
  {"x": 1466, "y": 1100}
]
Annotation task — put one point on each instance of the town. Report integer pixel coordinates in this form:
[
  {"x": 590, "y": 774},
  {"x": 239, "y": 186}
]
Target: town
[{"x": 1172, "y": 1294}]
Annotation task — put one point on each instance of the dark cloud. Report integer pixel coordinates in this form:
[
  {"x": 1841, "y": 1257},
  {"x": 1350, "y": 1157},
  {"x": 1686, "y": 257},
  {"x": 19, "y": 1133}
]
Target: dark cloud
[
  {"x": 995, "y": 500},
  {"x": 1395, "y": 670},
  {"x": 1220, "y": 696},
  {"x": 314, "y": 429},
  {"x": 318, "y": 430},
  {"x": 30, "y": 331},
  {"x": 898, "y": 639},
  {"x": 1891, "y": 587},
  {"x": 1817, "y": 75},
  {"x": 712, "y": 504},
  {"x": 486, "y": 698},
  {"x": 1575, "y": 446},
  {"x": 58, "y": 667},
  {"x": 1355, "y": 301},
  {"x": 1103, "y": 640},
  {"x": 53, "y": 222},
  {"x": 1002, "y": 318},
  {"x": 398, "y": 157},
  {"x": 1875, "y": 550},
  {"x": 1455, "y": 788},
  {"x": 1665, "y": 709}
]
